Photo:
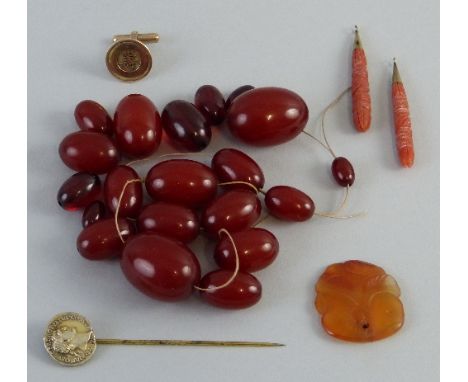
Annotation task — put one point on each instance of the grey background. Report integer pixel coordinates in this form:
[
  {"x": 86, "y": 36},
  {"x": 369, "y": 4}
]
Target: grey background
[{"x": 302, "y": 45}]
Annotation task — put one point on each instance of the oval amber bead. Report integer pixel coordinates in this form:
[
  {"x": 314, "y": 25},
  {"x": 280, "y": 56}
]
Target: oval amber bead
[
  {"x": 85, "y": 151},
  {"x": 100, "y": 241},
  {"x": 244, "y": 291},
  {"x": 210, "y": 101},
  {"x": 95, "y": 212},
  {"x": 185, "y": 126},
  {"x": 358, "y": 302},
  {"x": 132, "y": 198},
  {"x": 78, "y": 191},
  {"x": 343, "y": 172},
  {"x": 236, "y": 93},
  {"x": 181, "y": 181},
  {"x": 137, "y": 124},
  {"x": 91, "y": 116},
  {"x": 234, "y": 211},
  {"x": 160, "y": 267},
  {"x": 169, "y": 220},
  {"x": 289, "y": 203},
  {"x": 267, "y": 116},
  {"x": 233, "y": 165},
  {"x": 257, "y": 249}
]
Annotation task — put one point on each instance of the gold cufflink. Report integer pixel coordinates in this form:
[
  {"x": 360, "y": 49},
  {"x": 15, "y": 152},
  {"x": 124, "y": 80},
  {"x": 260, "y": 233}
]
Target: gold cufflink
[{"x": 128, "y": 58}]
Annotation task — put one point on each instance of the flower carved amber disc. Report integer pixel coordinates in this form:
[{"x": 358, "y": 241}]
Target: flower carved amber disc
[
  {"x": 129, "y": 60},
  {"x": 69, "y": 339},
  {"x": 358, "y": 302}
]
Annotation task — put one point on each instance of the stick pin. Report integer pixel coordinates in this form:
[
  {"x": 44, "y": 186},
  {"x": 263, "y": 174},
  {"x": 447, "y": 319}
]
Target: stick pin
[{"x": 70, "y": 340}]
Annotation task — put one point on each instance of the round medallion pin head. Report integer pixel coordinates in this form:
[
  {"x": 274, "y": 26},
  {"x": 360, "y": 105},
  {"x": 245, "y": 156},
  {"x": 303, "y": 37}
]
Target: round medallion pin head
[
  {"x": 128, "y": 58},
  {"x": 69, "y": 339}
]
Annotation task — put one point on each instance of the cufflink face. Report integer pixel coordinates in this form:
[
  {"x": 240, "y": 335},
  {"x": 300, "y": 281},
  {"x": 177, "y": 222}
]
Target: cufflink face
[{"x": 129, "y": 60}]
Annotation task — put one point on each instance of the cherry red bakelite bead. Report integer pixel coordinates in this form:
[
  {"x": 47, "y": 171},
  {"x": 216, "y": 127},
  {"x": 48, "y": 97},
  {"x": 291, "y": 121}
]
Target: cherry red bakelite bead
[
  {"x": 90, "y": 116},
  {"x": 101, "y": 241},
  {"x": 88, "y": 152},
  {"x": 210, "y": 101},
  {"x": 137, "y": 124},
  {"x": 160, "y": 267},
  {"x": 244, "y": 291},
  {"x": 95, "y": 212},
  {"x": 343, "y": 172},
  {"x": 257, "y": 248},
  {"x": 233, "y": 165},
  {"x": 236, "y": 93},
  {"x": 181, "y": 181},
  {"x": 234, "y": 211},
  {"x": 78, "y": 191},
  {"x": 186, "y": 126},
  {"x": 132, "y": 198},
  {"x": 289, "y": 203},
  {"x": 267, "y": 116},
  {"x": 169, "y": 220}
]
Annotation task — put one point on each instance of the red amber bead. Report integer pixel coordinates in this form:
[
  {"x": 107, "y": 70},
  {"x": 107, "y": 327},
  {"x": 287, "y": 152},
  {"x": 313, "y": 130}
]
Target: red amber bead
[
  {"x": 267, "y": 116},
  {"x": 244, "y": 291},
  {"x": 343, "y": 172},
  {"x": 185, "y": 126},
  {"x": 88, "y": 152},
  {"x": 234, "y": 211},
  {"x": 181, "y": 181},
  {"x": 358, "y": 302},
  {"x": 160, "y": 267},
  {"x": 289, "y": 203},
  {"x": 95, "y": 212},
  {"x": 233, "y": 165},
  {"x": 137, "y": 124},
  {"x": 90, "y": 116},
  {"x": 210, "y": 101},
  {"x": 132, "y": 198},
  {"x": 257, "y": 248},
  {"x": 101, "y": 241},
  {"x": 78, "y": 191},
  {"x": 236, "y": 93},
  {"x": 169, "y": 220}
]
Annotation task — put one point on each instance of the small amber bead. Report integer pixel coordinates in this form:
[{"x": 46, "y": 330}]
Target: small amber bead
[
  {"x": 343, "y": 172},
  {"x": 210, "y": 101},
  {"x": 358, "y": 302},
  {"x": 95, "y": 212}
]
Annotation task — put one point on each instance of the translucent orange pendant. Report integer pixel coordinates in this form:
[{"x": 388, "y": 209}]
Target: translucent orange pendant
[{"x": 358, "y": 302}]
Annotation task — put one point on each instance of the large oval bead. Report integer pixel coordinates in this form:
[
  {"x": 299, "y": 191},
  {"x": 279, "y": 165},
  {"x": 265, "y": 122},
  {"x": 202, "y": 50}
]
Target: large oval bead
[
  {"x": 257, "y": 248},
  {"x": 169, "y": 220},
  {"x": 181, "y": 181},
  {"x": 232, "y": 165},
  {"x": 185, "y": 126},
  {"x": 101, "y": 240},
  {"x": 137, "y": 124},
  {"x": 132, "y": 198},
  {"x": 234, "y": 211},
  {"x": 86, "y": 151},
  {"x": 160, "y": 267},
  {"x": 289, "y": 203},
  {"x": 267, "y": 116},
  {"x": 244, "y": 291}
]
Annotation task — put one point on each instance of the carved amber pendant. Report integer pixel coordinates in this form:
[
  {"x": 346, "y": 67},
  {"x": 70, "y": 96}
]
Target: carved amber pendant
[{"x": 358, "y": 302}]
